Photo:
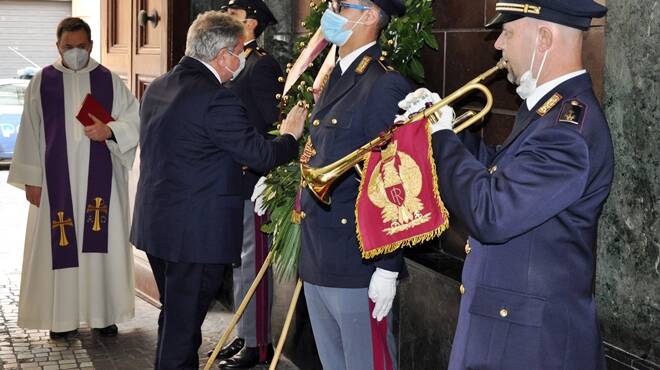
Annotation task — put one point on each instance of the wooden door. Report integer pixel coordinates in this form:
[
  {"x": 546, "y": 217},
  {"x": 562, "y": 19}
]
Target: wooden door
[{"x": 140, "y": 40}]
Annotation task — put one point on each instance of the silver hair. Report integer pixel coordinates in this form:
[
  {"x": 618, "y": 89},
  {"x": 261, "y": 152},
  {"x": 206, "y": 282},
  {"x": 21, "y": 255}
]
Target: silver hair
[
  {"x": 383, "y": 19},
  {"x": 211, "y": 32}
]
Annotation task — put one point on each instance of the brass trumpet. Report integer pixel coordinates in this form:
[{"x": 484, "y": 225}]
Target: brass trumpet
[{"x": 320, "y": 180}]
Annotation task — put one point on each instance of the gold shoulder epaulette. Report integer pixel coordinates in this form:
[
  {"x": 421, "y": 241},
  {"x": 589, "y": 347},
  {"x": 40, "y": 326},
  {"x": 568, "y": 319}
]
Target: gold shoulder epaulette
[
  {"x": 364, "y": 64},
  {"x": 261, "y": 52},
  {"x": 247, "y": 52},
  {"x": 549, "y": 104}
]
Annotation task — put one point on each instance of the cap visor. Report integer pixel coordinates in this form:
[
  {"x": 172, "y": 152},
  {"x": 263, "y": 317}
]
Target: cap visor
[{"x": 501, "y": 18}]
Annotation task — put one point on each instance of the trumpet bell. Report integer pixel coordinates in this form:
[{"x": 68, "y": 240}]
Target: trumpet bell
[{"x": 312, "y": 180}]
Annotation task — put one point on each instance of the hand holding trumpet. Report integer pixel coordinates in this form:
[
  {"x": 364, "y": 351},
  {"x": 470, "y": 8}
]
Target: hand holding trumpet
[{"x": 421, "y": 99}]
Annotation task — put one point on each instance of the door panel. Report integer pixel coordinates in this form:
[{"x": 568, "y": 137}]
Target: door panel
[
  {"x": 116, "y": 36},
  {"x": 149, "y": 42}
]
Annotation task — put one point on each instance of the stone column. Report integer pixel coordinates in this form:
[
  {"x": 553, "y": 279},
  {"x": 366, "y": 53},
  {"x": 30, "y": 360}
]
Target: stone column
[{"x": 628, "y": 276}]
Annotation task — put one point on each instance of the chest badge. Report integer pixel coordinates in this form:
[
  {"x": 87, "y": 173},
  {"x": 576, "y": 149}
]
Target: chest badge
[{"x": 308, "y": 151}]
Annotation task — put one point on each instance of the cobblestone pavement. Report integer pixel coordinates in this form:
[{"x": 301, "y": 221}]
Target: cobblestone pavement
[{"x": 132, "y": 349}]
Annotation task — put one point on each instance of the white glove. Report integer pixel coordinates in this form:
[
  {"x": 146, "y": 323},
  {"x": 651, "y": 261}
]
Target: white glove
[
  {"x": 446, "y": 120},
  {"x": 382, "y": 290},
  {"x": 258, "y": 196},
  {"x": 417, "y": 101}
]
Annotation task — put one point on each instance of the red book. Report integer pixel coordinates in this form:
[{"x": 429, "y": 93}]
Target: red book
[{"x": 92, "y": 106}]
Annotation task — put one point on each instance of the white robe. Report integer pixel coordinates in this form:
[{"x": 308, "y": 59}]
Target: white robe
[{"x": 100, "y": 292}]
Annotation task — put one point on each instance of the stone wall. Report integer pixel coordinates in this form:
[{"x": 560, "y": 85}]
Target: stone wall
[{"x": 628, "y": 277}]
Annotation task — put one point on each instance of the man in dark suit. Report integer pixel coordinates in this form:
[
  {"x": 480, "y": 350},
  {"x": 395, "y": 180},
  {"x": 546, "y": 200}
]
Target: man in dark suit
[
  {"x": 531, "y": 205},
  {"x": 194, "y": 137},
  {"x": 256, "y": 86},
  {"x": 348, "y": 298}
]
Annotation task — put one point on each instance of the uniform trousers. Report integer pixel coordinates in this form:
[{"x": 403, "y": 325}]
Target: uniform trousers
[
  {"x": 254, "y": 326},
  {"x": 347, "y": 337},
  {"x": 186, "y": 291}
]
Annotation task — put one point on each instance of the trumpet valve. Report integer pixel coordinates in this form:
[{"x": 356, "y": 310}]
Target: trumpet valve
[{"x": 435, "y": 117}]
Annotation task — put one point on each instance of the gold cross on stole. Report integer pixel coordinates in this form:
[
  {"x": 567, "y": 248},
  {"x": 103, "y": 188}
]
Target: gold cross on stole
[
  {"x": 97, "y": 209},
  {"x": 61, "y": 223}
]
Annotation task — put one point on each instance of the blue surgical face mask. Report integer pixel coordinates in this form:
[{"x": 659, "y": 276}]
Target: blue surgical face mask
[{"x": 332, "y": 25}]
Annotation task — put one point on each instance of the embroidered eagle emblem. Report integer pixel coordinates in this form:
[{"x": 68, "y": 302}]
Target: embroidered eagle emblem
[{"x": 394, "y": 187}]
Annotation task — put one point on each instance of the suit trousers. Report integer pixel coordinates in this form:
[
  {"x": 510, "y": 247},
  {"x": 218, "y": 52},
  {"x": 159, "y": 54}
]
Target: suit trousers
[
  {"x": 346, "y": 336},
  {"x": 254, "y": 326},
  {"x": 186, "y": 291}
]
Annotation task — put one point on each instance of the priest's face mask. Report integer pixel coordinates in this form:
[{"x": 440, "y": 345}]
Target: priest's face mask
[{"x": 74, "y": 48}]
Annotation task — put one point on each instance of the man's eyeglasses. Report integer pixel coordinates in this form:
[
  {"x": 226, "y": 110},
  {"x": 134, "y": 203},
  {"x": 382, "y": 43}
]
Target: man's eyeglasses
[{"x": 337, "y": 6}]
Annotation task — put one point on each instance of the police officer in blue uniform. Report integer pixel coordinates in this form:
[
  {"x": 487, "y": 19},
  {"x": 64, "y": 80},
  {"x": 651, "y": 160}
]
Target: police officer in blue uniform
[
  {"x": 256, "y": 86},
  {"x": 531, "y": 205},
  {"x": 348, "y": 298}
]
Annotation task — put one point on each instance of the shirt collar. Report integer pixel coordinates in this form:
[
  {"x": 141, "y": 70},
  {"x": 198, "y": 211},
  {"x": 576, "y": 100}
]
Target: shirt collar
[
  {"x": 544, "y": 89},
  {"x": 215, "y": 73},
  {"x": 248, "y": 42},
  {"x": 346, "y": 61}
]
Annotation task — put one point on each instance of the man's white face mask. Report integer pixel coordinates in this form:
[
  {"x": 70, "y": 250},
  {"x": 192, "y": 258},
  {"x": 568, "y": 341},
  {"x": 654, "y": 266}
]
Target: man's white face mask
[
  {"x": 241, "y": 65},
  {"x": 76, "y": 58},
  {"x": 527, "y": 83}
]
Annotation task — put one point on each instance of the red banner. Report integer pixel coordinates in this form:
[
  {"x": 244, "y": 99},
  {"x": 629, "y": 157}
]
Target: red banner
[{"x": 399, "y": 203}]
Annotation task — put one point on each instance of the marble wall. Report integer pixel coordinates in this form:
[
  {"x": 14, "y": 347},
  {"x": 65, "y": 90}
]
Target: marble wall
[{"x": 628, "y": 277}]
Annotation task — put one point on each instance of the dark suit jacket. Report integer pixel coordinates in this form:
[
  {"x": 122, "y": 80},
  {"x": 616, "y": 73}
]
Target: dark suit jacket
[
  {"x": 532, "y": 211},
  {"x": 356, "y": 109},
  {"x": 194, "y": 137},
  {"x": 257, "y": 86}
]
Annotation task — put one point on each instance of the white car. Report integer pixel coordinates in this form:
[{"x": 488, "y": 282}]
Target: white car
[{"x": 12, "y": 92}]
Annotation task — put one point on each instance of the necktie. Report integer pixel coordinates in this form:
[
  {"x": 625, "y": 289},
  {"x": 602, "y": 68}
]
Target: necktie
[{"x": 334, "y": 77}]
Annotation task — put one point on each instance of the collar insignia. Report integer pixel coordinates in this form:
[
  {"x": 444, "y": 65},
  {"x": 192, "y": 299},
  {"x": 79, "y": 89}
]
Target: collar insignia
[
  {"x": 549, "y": 104},
  {"x": 364, "y": 64}
]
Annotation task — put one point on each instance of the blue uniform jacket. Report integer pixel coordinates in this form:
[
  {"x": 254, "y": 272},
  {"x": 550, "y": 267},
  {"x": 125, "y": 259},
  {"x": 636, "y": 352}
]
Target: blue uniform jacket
[
  {"x": 257, "y": 86},
  {"x": 194, "y": 136},
  {"x": 356, "y": 109},
  {"x": 531, "y": 210}
]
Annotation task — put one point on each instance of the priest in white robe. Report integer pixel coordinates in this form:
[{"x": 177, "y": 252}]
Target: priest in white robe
[{"x": 77, "y": 262}]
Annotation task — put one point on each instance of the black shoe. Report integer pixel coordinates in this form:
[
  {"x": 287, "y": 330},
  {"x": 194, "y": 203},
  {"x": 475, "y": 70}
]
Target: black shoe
[
  {"x": 108, "y": 331},
  {"x": 230, "y": 349},
  {"x": 62, "y": 334},
  {"x": 247, "y": 358}
]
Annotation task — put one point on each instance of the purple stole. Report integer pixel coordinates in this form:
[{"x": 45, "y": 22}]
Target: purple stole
[{"x": 99, "y": 181}]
